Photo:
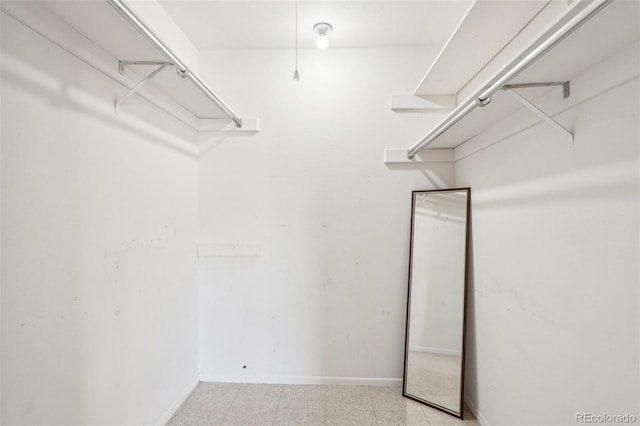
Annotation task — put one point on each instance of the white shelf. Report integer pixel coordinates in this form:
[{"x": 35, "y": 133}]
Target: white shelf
[
  {"x": 96, "y": 33},
  {"x": 615, "y": 27},
  {"x": 486, "y": 28}
]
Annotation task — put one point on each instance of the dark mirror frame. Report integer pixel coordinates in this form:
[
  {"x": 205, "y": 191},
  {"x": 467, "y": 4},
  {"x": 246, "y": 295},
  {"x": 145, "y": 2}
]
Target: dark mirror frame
[{"x": 464, "y": 313}]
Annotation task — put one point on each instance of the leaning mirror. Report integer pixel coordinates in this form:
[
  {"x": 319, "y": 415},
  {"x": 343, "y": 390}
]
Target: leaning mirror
[{"x": 438, "y": 259}]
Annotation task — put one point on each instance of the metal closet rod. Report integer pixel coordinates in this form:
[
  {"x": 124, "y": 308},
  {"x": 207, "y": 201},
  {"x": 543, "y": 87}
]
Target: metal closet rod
[
  {"x": 483, "y": 96},
  {"x": 181, "y": 68}
]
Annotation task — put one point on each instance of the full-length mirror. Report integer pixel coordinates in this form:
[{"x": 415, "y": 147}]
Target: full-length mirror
[{"x": 434, "y": 349}]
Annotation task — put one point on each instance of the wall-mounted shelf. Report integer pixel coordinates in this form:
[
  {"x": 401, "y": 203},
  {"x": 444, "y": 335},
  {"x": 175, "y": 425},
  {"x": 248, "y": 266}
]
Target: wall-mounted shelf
[
  {"x": 106, "y": 33},
  {"x": 481, "y": 37},
  {"x": 563, "y": 62}
]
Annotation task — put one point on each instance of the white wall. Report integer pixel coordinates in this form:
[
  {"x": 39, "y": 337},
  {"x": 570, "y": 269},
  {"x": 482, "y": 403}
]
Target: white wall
[
  {"x": 553, "y": 320},
  {"x": 325, "y": 299},
  {"x": 99, "y": 221},
  {"x": 99, "y": 218}
]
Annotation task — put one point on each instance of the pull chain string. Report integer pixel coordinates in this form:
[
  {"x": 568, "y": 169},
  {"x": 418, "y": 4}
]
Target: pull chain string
[
  {"x": 296, "y": 76},
  {"x": 296, "y": 35}
]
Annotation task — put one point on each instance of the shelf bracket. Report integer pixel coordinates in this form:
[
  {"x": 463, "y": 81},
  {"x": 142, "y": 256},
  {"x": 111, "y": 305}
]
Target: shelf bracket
[
  {"x": 135, "y": 88},
  {"x": 565, "y": 86},
  {"x": 538, "y": 111},
  {"x": 123, "y": 64}
]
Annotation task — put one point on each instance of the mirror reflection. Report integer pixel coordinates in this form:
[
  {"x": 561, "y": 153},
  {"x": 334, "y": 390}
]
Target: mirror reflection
[{"x": 434, "y": 352}]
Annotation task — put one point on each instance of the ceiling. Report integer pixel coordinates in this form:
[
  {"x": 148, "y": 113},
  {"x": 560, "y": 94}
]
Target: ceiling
[{"x": 265, "y": 24}]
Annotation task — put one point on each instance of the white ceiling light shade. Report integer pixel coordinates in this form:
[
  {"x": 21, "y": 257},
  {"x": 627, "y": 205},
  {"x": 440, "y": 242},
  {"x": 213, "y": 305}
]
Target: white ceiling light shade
[{"x": 322, "y": 29}]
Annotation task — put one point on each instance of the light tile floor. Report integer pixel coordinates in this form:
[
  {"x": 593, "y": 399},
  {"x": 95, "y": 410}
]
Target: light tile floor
[{"x": 302, "y": 405}]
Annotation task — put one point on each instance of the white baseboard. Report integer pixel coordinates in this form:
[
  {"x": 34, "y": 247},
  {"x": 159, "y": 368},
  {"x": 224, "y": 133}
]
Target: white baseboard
[
  {"x": 307, "y": 380},
  {"x": 182, "y": 396},
  {"x": 441, "y": 351},
  {"x": 472, "y": 407}
]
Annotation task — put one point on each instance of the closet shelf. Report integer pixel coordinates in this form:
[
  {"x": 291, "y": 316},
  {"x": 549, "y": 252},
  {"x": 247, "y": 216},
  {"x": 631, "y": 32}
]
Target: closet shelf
[
  {"x": 109, "y": 36},
  {"x": 481, "y": 37},
  {"x": 181, "y": 69},
  {"x": 562, "y": 60}
]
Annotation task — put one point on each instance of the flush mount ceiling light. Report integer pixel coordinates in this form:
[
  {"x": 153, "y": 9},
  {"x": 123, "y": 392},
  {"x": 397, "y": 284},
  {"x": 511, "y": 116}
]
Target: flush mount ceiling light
[{"x": 322, "y": 29}]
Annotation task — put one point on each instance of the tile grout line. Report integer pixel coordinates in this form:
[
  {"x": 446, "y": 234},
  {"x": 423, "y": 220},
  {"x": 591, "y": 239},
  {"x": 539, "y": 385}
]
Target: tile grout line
[
  {"x": 275, "y": 417},
  {"x": 373, "y": 406},
  {"x": 183, "y": 402},
  {"x": 326, "y": 391},
  {"x": 424, "y": 413},
  {"x": 230, "y": 405}
]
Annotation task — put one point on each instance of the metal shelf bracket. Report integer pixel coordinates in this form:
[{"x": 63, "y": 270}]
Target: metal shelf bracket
[
  {"x": 565, "y": 86},
  {"x": 121, "y": 67},
  {"x": 534, "y": 52},
  {"x": 565, "y": 93}
]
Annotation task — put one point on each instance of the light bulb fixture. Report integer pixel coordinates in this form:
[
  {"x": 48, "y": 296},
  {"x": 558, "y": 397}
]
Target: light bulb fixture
[{"x": 322, "y": 29}]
